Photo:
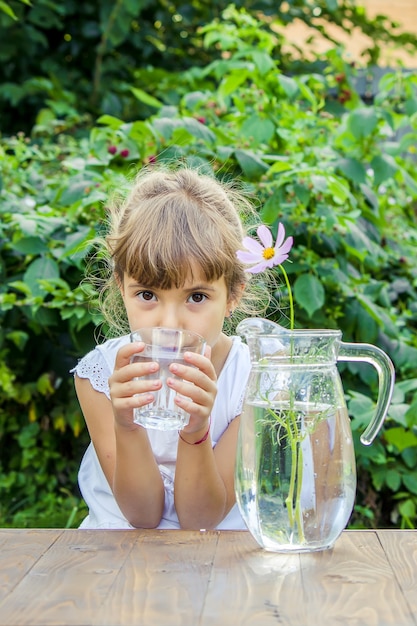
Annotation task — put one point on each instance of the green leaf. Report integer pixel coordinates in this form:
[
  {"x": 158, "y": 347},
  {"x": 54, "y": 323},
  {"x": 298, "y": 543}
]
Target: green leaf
[
  {"x": 393, "y": 479},
  {"x": 407, "y": 509},
  {"x": 111, "y": 121},
  {"x": 42, "y": 268},
  {"x": 400, "y": 438},
  {"x": 379, "y": 315},
  {"x": 252, "y": 166},
  {"x": 30, "y": 245},
  {"x": 289, "y": 85},
  {"x": 28, "y": 434},
  {"x": 271, "y": 207},
  {"x": 405, "y": 386},
  {"x": 309, "y": 293},
  {"x": 370, "y": 196},
  {"x": 8, "y": 10},
  {"x": 409, "y": 456},
  {"x": 411, "y": 106},
  {"x": 410, "y": 481},
  {"x": 44, "y": 385},
  {"x": 77, "y": 242},
  {"x": 19, "y": 338},
  {"x": 144, "y": 97},
  {"x": 281, "y": 164},
  {"x": 19, "y": 285},
  {"x": 397, "y": 412},
  {"x": 362, "y": 122},
  {"x": 352, "y": 169},
  {"x": 75, "y": 191},
  {"x": 165, "y": 126},
  {"x": 302, "y": 193},
  {"x": 263, "y": 61},
  {"x": 232, "y": 82},
  {"x": 404, "y": 356},
  {"x": 258, "y": 130},
  {"x": 411, "y": 415},
  {"x": 361, "y": 408},
  {"x": 384, "y": 166},
  {"x": 338, "y": 189},
  {"x": 134, "y": 7},
  {"x": 182, "y": 137},
  {"x": 199, "y": 130}
]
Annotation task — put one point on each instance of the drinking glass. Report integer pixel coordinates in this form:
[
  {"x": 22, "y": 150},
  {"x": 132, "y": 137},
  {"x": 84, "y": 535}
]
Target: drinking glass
[{"x": 164, "y": 346}]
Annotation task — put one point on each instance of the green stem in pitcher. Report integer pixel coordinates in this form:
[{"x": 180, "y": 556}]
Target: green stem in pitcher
[
  {"x": 295, "y": 517},
  {"x": 290, "y": 298},
  {"x": 290, "y": 497},
  {"x": 298, "y": 510},
  {"x": 296, "y": 477}
]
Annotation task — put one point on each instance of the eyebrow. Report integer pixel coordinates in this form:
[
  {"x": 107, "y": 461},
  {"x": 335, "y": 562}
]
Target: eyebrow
[
  {"x": 199, "y": 287},
  {"x": 203, "y": 287}
]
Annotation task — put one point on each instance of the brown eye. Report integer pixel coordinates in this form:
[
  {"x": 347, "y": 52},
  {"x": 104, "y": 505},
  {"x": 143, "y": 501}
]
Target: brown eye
[
  {"x": 197, "y": 298},
  {"x": 146, "y": 295}
]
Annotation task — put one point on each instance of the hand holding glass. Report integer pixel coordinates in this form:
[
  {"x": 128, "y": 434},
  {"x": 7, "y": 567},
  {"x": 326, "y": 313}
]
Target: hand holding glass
[{"x": 164, "y": 346}]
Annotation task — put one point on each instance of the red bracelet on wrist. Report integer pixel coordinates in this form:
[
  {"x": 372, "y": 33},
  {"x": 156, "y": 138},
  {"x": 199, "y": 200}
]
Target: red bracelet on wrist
[{"x": 196, "y": 443}]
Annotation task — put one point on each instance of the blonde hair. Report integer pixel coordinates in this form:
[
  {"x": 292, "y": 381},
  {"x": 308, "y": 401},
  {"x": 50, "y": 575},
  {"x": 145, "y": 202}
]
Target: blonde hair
[{"x": 172, "y": 220}]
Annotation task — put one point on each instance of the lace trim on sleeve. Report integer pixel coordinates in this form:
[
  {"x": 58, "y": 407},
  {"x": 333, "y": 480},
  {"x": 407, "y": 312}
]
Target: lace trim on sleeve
[
  {"x": 239, "y": 407},
  {"x": 94, "y": 367}
]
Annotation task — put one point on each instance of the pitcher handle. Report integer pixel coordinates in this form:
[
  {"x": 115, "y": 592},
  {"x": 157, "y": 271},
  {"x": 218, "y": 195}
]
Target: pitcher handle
[{"x": 368, "y": 353}]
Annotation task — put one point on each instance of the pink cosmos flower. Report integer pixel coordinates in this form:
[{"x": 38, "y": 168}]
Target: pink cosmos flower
[{"x": 265, "y": 254}]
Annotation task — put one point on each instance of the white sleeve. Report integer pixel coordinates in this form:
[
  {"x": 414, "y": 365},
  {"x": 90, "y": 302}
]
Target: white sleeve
[{"x": 94, "y": 367}]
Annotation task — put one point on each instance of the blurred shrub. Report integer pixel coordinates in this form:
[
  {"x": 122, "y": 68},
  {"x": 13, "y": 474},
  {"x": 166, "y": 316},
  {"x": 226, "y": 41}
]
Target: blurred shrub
[{"x": 85, "y": 57}]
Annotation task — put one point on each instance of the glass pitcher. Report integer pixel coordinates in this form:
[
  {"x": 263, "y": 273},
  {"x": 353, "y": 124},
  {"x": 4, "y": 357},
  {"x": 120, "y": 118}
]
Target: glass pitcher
[{"x": 295, "y": 476}]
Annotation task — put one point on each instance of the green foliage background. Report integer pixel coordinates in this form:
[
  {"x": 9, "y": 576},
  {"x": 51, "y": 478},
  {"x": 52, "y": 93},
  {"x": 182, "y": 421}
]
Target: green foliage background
[{"x": 339, "y": 173}]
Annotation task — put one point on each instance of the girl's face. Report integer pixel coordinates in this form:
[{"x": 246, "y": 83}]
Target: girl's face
[{"x": 198, "y": 306}]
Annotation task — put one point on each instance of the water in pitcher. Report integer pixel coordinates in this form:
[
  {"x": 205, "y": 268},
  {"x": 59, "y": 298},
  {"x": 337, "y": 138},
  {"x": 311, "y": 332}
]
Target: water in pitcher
[{"x": 295, "y": 475}]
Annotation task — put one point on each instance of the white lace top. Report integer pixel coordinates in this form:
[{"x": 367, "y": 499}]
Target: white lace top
[{"x": 104, "y": 512}]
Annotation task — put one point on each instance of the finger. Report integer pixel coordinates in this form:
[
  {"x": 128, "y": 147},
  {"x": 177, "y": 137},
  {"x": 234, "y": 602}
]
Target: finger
[
  {"x": 136, "y": 401},
  {"x": 192, "y": 398},
  {"x": 126, "y": 352},
  {"x": 196, "y": 411},
  {"x": 132, "y": 387},
  {"x": 199, "y": 362}
]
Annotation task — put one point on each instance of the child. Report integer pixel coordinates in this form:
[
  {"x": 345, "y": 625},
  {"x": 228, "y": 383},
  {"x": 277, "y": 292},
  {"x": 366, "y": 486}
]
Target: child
[{"x": 172, "y": 246}]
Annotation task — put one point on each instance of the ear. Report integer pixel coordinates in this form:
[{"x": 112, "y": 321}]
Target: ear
[{"x": 234, "y": 299}]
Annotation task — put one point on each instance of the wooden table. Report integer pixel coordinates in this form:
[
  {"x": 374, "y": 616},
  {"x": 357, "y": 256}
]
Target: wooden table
[{"x": 181, "y": 578}]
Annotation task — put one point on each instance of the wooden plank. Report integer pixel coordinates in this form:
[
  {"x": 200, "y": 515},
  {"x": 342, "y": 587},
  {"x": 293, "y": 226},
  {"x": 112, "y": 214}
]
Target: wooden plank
[
  {"x": 163, "y": 582},
  {"x": 401, "y": 550},
  {"x": 180, "y": 578},
  {"x": 19, "y": 551},
  {"x": 353, "y": 584},
  {"x": 70, "y": 581},
  {"x": 250, "y": 586}
]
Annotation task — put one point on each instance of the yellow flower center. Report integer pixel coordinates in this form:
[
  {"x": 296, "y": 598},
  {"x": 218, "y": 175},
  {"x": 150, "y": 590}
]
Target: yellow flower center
[{"x": 268, "y": 253}]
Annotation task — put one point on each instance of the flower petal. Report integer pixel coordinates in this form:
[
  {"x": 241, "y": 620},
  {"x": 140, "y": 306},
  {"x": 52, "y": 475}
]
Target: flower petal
[
  {"x": 280, "y": 235},
  {"x": 265, "y": 236},
  {"x": 252, "y": 245},
  {"x": 278, "y": 260},
  {"x": 286, "y": 246},
  {"x": 248, "y": 257},
  {"x": 259, "y": 267}
]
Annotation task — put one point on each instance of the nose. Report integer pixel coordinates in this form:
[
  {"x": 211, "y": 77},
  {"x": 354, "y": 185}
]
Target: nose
[{"x": 170, "y": 318}]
